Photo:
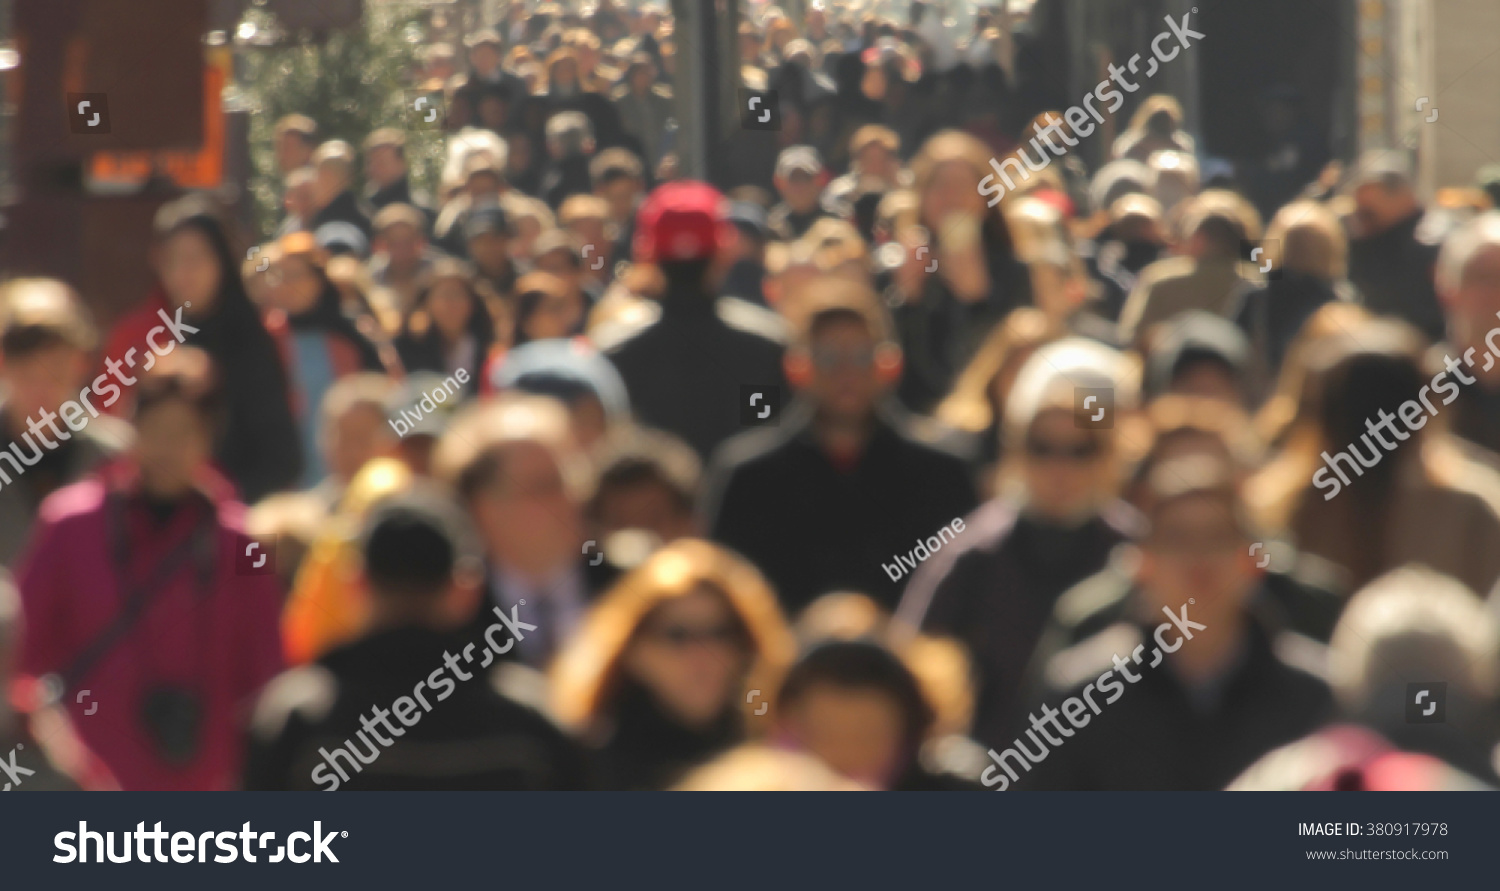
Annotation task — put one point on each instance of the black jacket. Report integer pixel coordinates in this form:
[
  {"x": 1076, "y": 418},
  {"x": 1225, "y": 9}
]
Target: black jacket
[
  {"x": 646, "y": 749},
  {"x": 812, "y": 527},
  {"x": 995, "y": 592},
  {"x": 1393, "y": 271},
  {"x": 471, "y": 738},
  {"x": 685, "y": 369},
  {"x": 344, "y": 208},
  {"x": 1154, "y": 735}
]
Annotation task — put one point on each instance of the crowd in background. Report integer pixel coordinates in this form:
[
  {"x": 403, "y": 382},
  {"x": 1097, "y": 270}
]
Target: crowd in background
[{"x": 686, "y": 448}]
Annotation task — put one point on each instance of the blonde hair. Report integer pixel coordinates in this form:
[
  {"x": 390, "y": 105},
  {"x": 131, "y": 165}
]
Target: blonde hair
[{"x": 1305, "y": 237}]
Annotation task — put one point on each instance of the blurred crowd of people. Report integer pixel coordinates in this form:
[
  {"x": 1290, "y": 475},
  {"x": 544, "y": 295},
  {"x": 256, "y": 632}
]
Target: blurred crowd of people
[{"x": 671, "y": 437}]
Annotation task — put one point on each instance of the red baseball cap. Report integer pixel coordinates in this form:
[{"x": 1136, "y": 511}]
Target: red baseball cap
[{"x": 681, "y": 220}]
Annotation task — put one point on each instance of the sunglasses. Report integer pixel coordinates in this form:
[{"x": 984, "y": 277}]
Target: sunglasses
[
  {"x": 683, "y": 635},
  {"x": 1079, "y": 452}
]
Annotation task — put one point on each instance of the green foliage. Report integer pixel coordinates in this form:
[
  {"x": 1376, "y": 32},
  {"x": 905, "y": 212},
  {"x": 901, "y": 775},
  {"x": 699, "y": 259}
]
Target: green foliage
[{"x": 352, "y": 83}]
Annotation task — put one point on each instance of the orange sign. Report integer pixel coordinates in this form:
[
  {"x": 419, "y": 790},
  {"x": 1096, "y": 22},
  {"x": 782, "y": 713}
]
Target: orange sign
[{"x": 200, "y": 169}]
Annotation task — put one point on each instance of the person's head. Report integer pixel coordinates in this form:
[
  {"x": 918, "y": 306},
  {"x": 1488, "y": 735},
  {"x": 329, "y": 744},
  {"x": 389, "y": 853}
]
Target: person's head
[
  {"x": 569, "y": 135},
  {"x": 46, "y": 340},
  {"x": 1468, "y": 280},
  {"x": 176, "y": 419},
  {"x": 575, "y": 374},
  {"x": 844, "y": 357},
  {"x": 514, "y": 465},
  {"x": 620, "y": 180},
  {"x": 693, "y": 626},
  {"x": 354, "y": 427},
  {"x": 1061, "y": 455},
  {"x": 295, "y": 137},
  {"x": 1383, "y": 192},
  {"x": 385, "y": 157},
  {"x": 301, "y": 197},
  {"x": 334, "y": 163},
  {"x": 420, "y": 559},
  {"x": 1415, "y": 624},
  {"x": 484, "y": 48},
  {"x": 585, "y": 217},
  {"x": 1376, "y": 372},
  {"x": 483, "y": 178},
  {"x": 948, "y": 171},
  {"x": 800, "y": 177},
  {"x": 641, "y": 74},
  {"x": 681, "y": 227},
  {"x": 439, "y": 62},
  {"x": 487, "y": 235},
  {"x": 1159, "y": 116},
  {"x": 875, "y": 151},
  {"x": 296, "y": 279},
  {"x": 451, "y": 307},
  {"x": 1199, "y": 354},
  {"x": 194, "y": 259},
  {"x": 562, "y": 72},
  {"x": 1174, "y": 177},
  {"x": 400, "y": 235},
  {"x": 648, "y": 480},
  {"x": 547, "y": 306},
  {"x": 1305, "y": 239},
  {"x": 1198, "y": 543},
  {"x": 855, "y": 706}
]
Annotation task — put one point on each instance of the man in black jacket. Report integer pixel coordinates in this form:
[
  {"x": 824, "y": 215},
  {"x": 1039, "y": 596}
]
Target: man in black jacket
[
  {"x": 847, "y": 487},
  {"x": 372, "y": 714},
  {"x": 685, "y": 368},
  {"x": 1189, "y": 690},
  {"x": 340, "y": 223},
  {"x": 1392, "y": 259},
  {"x": 387, "y": 179}
]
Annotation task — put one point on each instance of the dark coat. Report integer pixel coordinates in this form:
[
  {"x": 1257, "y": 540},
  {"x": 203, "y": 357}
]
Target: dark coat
[
  {"x": 995, "y": 592},
  {"x": 813, "y": 527},
  {"x": 1393, "y": 271},
  {"x": 1156, "y": 735},
  {"x": 476, "y": 739},
  {"x": 684, "y": 368}
]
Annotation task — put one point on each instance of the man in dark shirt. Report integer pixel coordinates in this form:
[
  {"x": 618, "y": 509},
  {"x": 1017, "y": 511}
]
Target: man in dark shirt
[
  {"x": 1391, "y": 261},
  {"x": 324, "y": 725},
  {"x": 844, "y": 494}
]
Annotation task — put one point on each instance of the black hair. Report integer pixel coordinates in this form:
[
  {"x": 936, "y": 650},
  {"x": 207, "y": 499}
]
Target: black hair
[{"x": 863, "y": 665}]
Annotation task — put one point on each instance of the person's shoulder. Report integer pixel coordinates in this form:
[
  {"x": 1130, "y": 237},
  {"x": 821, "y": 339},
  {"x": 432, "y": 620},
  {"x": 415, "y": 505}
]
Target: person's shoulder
[
  {"x": 1082, "y": 663},
  {"x": 73, "y": 504},
  {"x": 747, "y": 318},
  {"x": 1165, "y": 269},
  {"x": 108, "y": 436},
  {"x": 616, "y": 336},
  {"x": 306, "y": 693},
  {"x": 1100, "y": 594},
  {"x": 760, "y": 451}
]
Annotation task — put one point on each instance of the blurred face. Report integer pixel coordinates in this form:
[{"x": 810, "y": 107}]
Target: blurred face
[
  {"x": 874, "y": 85},
  {"x": 643, "y": 78},
  {"x": 44, "y": 379},
  {"x": 300, "y": 201},
  {"x": 844, "y": 381},
  {"x": 1063, "y": 467},
  {"x": 485, "y": 59},
  {"x": 875, "y": 160},
  {"x": 621, "y": 195},
  {"x": 328, "y": 184},
  {"x": 644, "y": 505},
  {"x": 1473, "y": 307},
  {"x": 1196, "y": 550},
  {"x": 692, "y": 655},
  {"x": 450, "y": 305},
  {"x": 857, "y": 732},
  {"x": 354, "y": 438},
  {"x": 490, "y": 252},
  {"x": 172, "y": 446},
  {"x": 483, "y": 186},
  {"x": 1376, "y": 210},
  {"x": 528, "y": 520},
  {"x": 189, "y": 270},
  {"x": 558, "y": 315},
  {"x": 565, "y": 74},
  {"x": 292, "y": 152},
  {"x": 294, "y": 285},
  {"x": 403, "y": 244},
  {"x": 954, "y": 189},
  {"x": 384, "y": 166},
  {"x": 799, "y": 190}
]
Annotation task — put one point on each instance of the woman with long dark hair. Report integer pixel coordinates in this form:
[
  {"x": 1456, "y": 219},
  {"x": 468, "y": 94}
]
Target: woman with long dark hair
[
  {"x": 198, "y": 281},
  {"x": 449, "y": 326}
]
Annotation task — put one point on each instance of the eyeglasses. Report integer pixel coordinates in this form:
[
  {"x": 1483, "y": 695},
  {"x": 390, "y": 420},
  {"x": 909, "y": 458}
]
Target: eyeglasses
[
  {"x": 826, "y": 359},
  {"x": 681, "y": 636},
  {"x": 1079, "y": 452}
]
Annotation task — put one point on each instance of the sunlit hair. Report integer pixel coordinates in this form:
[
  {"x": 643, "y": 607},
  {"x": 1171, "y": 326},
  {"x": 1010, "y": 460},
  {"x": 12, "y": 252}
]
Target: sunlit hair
[
  {"x": 971, "y": 406},
  {"x": 1158, "y": 103},
  {"x": 955, "y": 146},
  {"x": 470, "y": 457},
  {"x": 1290, "y": 405},
  {"x": 1305, "y": 237},
  {"x": 589, "y": 671}
]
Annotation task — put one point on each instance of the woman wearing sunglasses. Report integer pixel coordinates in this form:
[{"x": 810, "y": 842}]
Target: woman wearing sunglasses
[
  {"x": 658, "y": 678},
  {"x": 1053, "y": 524}
]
